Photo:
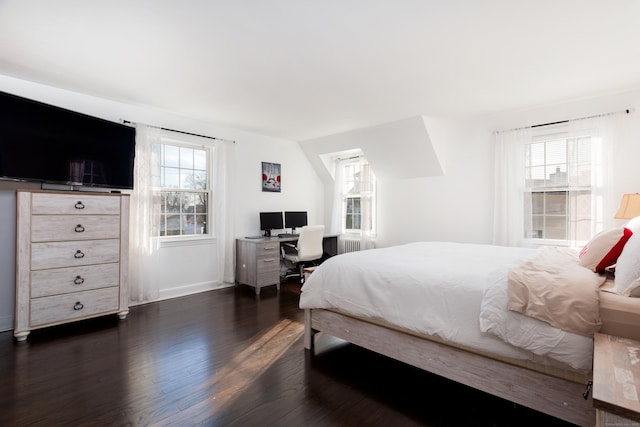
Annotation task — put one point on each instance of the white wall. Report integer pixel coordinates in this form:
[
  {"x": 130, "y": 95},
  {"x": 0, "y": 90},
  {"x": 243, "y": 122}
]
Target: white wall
[{"x": 187, "y": 268}]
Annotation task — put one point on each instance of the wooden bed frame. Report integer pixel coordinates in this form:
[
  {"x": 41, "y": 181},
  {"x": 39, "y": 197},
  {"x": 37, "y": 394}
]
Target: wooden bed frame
[{"x": 543, "y": 392}]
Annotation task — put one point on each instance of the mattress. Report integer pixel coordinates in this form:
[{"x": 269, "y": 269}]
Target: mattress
[{"x": 435, "y": 289}]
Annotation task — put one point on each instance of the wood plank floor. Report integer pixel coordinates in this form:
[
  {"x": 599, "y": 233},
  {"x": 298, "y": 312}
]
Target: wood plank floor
[{"x": 225, "y": 358}]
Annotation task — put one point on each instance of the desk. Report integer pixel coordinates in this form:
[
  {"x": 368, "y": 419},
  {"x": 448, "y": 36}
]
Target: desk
[{"x": 258, "y": 260}]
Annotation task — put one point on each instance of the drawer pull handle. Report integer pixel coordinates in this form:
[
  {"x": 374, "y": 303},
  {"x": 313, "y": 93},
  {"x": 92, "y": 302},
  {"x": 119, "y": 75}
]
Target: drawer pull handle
[
  {"x": 79, "y": 205},
  {"x": 79, "y": 280},
  {"x": 78, "y": 254},
  {"x": 269, "y": 259},
  {"x": 268, "y": 248},
  {"x": 78, "y": 306},
  {"x": 79, "y": 228}
]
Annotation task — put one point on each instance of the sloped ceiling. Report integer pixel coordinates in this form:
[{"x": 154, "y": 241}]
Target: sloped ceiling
[
  {"x": 301, "y": 69},
  {"x": 396, "y": 150}
]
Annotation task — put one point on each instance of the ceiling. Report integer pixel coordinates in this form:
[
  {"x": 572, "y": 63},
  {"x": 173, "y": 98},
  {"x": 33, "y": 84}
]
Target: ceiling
[{"x": 302, "y": 69}]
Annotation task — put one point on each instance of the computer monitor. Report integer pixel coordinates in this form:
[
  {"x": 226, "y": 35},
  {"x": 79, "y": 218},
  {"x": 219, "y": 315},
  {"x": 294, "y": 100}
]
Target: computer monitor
[
  {"x": 270, "y": 221},
  {"x": 295, "y": 219}
]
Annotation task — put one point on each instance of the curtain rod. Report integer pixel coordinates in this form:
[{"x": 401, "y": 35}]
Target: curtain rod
[
  {"x": 181, "y": 131},
  {"x": 627, "y": 111}
]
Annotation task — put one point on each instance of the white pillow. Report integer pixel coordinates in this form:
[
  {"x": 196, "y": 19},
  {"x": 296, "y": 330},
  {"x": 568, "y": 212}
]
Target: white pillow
[
  {"x": 633, "y": 224},
  {"x": 627, "y": 279}
]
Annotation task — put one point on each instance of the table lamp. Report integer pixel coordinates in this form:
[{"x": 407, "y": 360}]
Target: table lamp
[{"x": 629, "y": 206}]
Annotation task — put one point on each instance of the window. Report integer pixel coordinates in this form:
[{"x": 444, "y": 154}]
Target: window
[
  {"x": 558, "y": 190},
  {"x": 358, "y": 188},
  {"x": 185, "y": 196}
]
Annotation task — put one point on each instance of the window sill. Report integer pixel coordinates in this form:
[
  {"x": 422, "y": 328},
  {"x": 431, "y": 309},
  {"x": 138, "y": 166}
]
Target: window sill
[{"x": 167, "y": 242}]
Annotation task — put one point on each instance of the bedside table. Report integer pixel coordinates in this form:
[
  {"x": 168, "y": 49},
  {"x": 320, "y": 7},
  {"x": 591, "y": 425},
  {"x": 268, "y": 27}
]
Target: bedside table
[{"x": 616, "y": 380}]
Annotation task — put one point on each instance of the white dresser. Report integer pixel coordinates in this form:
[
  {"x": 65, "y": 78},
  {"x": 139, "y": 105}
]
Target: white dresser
[{"x": 71, "y": 257}]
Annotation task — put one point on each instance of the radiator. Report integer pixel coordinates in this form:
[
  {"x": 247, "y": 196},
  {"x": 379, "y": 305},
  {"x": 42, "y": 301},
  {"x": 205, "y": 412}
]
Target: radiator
[{"x": 350, "y": 245}]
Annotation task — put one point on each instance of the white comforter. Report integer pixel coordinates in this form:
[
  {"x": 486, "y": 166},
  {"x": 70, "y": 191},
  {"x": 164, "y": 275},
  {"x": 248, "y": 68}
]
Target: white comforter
[{"x": 436, "y": 288}]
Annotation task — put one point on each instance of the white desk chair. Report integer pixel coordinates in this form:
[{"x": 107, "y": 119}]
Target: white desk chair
[{"x": 307, "y": 249}]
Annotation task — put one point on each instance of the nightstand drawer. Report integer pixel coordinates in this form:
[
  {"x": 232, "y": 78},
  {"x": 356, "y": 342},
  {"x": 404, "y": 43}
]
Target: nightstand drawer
[
  {"x": 43, "y": 204},
  {"x": 74, "y": 279},
  {"x": 68, "y": 254},
  {"x": 48, "y": 228},
  {"x": 61, "y": 308}
]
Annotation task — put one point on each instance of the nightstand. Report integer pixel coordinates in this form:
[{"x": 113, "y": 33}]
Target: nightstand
[{"x": 616, "y": 381}]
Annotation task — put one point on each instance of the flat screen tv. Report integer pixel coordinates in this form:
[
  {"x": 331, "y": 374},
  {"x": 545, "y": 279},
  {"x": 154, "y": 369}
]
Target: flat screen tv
[{"x": 43, "y": 143}]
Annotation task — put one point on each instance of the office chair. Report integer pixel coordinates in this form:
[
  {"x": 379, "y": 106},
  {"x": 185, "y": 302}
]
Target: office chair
[{"x": 307, "y": 250}]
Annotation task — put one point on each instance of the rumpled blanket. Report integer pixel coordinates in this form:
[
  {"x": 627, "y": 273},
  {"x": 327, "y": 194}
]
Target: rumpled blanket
[{"x": 554, "y": 288}]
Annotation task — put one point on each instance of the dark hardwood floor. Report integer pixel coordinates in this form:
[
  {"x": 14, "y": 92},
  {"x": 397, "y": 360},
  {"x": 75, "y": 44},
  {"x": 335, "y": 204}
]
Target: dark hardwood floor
[{"x": 225, "y": 358}]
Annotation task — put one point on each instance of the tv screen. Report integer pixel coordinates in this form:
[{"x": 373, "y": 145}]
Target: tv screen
[
  {"x": 271, "y": 221},
  {"x": 44, "y": 143},
  {"x": 294, "y": 220}
]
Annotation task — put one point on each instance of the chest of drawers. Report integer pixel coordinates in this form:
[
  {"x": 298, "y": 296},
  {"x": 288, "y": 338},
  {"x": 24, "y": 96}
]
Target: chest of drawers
[{"x": 71, "y": 258}]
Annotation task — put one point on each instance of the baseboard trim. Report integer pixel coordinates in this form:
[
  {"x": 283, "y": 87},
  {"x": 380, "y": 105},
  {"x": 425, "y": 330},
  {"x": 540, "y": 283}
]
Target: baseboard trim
[
  {"x": 6, "y": 323},
  {"x": 194, "y": 288}
]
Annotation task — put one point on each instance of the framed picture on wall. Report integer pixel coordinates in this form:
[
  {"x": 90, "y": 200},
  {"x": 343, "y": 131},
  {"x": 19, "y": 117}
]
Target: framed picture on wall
[{"x": 271, "y": 178}]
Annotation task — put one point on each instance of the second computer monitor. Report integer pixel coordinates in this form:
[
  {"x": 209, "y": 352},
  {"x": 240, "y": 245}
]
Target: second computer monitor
[{"x": 294, "y": 220}]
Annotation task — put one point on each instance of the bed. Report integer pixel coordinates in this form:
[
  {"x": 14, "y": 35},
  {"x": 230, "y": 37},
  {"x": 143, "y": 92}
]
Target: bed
[{"x": 436, "y": 306}]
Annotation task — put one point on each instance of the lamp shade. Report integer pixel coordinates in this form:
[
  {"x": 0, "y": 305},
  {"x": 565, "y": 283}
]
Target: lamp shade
[{"x": 629, "y": 207}]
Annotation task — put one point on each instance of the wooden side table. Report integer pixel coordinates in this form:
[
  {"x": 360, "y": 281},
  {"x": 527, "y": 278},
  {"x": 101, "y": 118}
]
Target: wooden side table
[{"x": 616, "y": 381}]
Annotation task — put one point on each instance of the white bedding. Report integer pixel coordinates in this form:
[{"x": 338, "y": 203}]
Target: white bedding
[{"x": 434, "y": 288}]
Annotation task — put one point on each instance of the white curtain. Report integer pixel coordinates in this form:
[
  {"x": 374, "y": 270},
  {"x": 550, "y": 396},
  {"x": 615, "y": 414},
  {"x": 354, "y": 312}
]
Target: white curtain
[
  {"x": 144, "y": 265},
  {"x": 508, "y": 206},
  {"x": 604, "y": 133},
  {"x": 223, "y": 204},
  {"x": 336, "y": 214},
  {"x": 366, "y": 206}
]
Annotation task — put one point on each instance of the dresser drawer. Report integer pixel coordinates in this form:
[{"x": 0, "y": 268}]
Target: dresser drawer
[
  {"x": 268, "y": 250},
  {"x": 73, "y": 279},
  {"x": 268, "y": 278},
  {"x": 61, "y": 308},
  {"x": 47, "y": 228},
  {"x": 43, "y": 204},
  {"x": 68, "y": 254}
]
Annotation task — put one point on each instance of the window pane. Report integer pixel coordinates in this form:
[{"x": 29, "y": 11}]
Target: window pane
[
  {"x": 557, "y": 175},
  {"x": 556, "y": 227},
  {"x": 187, "y": 202},
  {"x": 201, "y": 224},
  {"x": 172, "y": 202},
  {"x": 556, "y": 152},
  {"x": 537, "y": 227},
  {"x": 535, "y": 177},
  {"x": 171, "y": 225},
  {"x": 200, "y": 159},
  {"x": 186, "y": 158},
  {"x": 537, "y": 203},
  {"x": 536, "y": 153},
  {"x": 171, "y": 156},
  {"x": 556, "y": 203},
  {"x": 171, "y": 177},
  {"x": 186, "y": 179},
  {"x": 200, "y": 179}
]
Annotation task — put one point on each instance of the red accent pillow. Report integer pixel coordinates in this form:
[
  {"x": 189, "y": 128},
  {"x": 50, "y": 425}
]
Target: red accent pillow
[{"x": 604, "y": 249}]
